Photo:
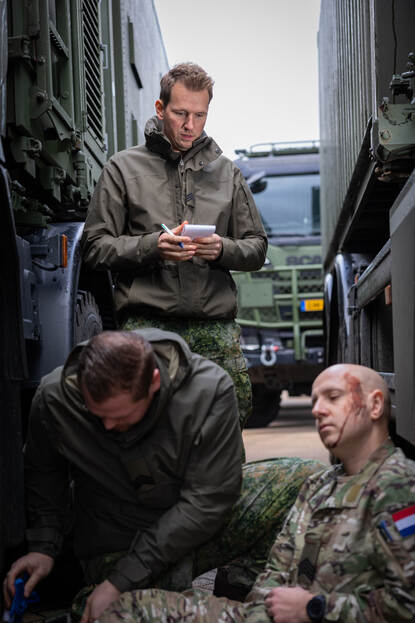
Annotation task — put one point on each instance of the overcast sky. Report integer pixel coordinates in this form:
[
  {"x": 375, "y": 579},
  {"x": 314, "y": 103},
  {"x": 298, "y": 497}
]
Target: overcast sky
[{"x": 262, "y": 55}]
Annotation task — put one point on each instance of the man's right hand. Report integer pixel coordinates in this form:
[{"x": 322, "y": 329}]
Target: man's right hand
[
  {"x": 37, "y": 565},
  {"x": 170, "y": 249}
]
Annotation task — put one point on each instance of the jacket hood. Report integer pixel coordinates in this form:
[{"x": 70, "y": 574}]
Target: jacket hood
[
  {"x": 157, "y": 141},
  {"x": 173, "y": 358}
]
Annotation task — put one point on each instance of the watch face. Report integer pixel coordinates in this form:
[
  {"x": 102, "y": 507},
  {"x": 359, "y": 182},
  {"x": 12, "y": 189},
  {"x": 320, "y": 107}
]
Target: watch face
[{"x": 316, "y": 608}]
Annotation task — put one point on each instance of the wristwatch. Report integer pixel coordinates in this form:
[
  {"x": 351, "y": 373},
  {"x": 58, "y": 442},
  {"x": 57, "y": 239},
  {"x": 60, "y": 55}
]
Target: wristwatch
[{"x": 316, "y": 608}]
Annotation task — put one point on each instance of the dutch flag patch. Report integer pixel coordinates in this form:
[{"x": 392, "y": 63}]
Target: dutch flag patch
[{"x": 405, "y": 521}]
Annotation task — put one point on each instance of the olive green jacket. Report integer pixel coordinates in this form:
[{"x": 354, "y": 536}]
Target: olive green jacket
[
  {"x": 158, "y": 490},
  {"x": 144, "y": 186}
]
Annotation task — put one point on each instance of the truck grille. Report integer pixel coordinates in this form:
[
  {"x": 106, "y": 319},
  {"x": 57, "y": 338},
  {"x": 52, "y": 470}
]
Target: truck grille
[{"x": 279, "y": 301}]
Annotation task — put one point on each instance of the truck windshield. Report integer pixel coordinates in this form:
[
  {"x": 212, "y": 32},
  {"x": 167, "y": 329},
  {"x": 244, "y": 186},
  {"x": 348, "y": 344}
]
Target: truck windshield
[{"x": 290, "y": 205}]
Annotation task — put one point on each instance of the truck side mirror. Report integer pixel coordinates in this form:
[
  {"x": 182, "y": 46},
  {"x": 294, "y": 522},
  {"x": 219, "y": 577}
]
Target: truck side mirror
[{"x": 258, "y": 186}]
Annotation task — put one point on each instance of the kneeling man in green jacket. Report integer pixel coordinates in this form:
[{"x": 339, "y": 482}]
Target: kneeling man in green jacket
[{"x": 139, "y": 438}]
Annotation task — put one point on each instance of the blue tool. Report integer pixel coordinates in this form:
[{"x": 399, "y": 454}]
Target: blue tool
[{"x": 20, "y": 602}]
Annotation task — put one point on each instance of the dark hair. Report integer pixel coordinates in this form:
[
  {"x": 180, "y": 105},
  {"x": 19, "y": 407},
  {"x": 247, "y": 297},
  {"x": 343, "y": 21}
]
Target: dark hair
[
  {"x": 114, "y": 362},
  {"x": 191, "y": 75}
]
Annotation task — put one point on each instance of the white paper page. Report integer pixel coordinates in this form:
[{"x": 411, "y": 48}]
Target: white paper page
[{"x": 198, "y": 231}]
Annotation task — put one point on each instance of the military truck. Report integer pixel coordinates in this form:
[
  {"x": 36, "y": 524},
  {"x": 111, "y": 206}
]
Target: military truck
[
  {"x": 78, "y": 81},
  {"x": 367, "y": 155},
  {"x": 280, "y": 306}
]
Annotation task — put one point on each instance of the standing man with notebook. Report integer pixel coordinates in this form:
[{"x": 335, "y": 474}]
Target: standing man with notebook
[{"x": 167, "y": 280}]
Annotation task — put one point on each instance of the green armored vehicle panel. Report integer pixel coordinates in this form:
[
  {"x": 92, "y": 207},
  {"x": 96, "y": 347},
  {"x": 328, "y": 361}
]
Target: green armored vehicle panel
[
  {"x": 81, "y": 83},
  {"x": 367, "y": 129},
  {"x": 280, "y": 306}
]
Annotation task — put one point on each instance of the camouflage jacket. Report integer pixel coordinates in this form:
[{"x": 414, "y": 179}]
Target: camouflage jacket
[
  {"x": 144, "y": 186},
  {"x": 352, "y": 539}
]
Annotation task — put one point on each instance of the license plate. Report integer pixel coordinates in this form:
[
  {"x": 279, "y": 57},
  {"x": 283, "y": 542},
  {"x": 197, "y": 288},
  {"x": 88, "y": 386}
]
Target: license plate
[{"x": 311, "y": 305}]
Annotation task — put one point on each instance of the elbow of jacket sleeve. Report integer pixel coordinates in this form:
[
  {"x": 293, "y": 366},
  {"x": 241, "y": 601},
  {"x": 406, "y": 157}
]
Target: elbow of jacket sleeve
[{"x": 245, "y": 255}]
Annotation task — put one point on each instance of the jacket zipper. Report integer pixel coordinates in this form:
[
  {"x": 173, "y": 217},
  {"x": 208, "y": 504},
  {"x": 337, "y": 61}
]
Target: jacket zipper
[{"x": 182, "y": 193}]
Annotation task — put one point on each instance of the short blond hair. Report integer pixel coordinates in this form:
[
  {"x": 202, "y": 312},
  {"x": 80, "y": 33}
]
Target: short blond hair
[{"x": 191, "y": 75}]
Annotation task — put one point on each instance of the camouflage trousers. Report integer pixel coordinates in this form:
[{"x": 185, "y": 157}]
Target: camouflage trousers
[
  {"x": 166, "y": 607},
  {"x": 217, "y": 340},
  {"x": 269, "y": 489}
]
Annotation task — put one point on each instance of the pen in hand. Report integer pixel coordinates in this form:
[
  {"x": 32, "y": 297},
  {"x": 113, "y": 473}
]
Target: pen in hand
[{"x": 169, "y": 231}]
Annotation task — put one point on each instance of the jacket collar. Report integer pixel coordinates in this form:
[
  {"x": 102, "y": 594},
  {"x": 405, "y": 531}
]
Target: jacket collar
[
  {"x": 203, "y": 151},
  {"x": 351, "y": 488}
]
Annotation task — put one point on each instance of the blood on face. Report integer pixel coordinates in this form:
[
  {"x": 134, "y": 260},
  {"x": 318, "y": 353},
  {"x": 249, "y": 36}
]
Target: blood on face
[{"x": 355, "y": 403}]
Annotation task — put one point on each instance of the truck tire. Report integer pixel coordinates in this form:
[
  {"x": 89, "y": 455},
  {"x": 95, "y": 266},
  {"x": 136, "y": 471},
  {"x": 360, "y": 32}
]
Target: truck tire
[
  {"x": 265, "y": 405},
  {"x": 88, "y": 320}
]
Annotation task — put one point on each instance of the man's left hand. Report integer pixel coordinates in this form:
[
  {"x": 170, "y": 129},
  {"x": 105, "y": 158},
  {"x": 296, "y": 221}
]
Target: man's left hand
[
  {"x": 288, "y": 604},
  {"x": 101, "y": 597},
  {"x": 208, "y": 248}
]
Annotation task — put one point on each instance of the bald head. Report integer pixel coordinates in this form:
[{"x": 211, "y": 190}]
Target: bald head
[
  {"x": 351, "y": 406},
  {"x": 366, "y": 378}
]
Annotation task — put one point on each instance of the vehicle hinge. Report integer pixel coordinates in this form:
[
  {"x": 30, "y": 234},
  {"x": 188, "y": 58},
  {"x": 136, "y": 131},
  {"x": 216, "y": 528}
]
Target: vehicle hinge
[
  {"x": 19, "y": 48},
  {"x": 81, "y": 167}
]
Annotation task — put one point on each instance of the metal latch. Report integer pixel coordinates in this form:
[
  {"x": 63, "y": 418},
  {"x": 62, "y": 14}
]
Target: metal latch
[{"x": 268, "y": 355}]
